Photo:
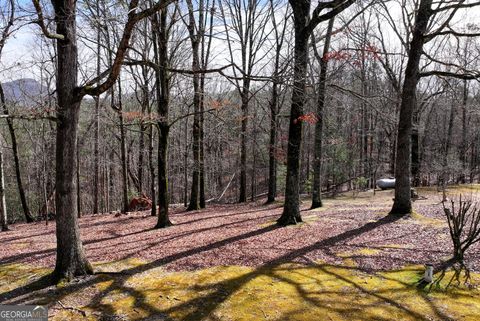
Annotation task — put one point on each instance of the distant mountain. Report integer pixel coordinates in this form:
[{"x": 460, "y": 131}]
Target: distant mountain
[{"x": 24, "y": 91}]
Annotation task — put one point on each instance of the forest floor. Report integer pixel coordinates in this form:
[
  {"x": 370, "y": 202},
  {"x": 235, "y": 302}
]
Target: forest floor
[{"x": 347, "y": 261}]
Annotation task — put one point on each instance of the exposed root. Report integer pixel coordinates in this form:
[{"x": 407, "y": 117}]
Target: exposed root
[{"x": 83, "y": 313}]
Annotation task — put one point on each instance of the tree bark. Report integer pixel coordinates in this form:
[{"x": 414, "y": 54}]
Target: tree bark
[
  {"x": 201, "y": 201},
  {"x": 415, "y": 156},
  {"x": 123, "y": 150},
  {"x": 303, "y": 26},
  {"x": 152, "y": 172},
  {"x": 464, "y": 145},
  {"x": 71, "y": 260},
  {"x": 96, "y": 150},
  {"x": 291, "y": 210},
  {"x": 322, "y": 83},
  {"x": 3, "y": 203},
  {"x": 274, "y": 106},
  {"x": 402, "y": 204},
  {"x": 160, "y": 47},
  {"x": 272, "y": 160},
  {"x": 243, "y": 139},
  {"x": 79, "y": 199},
  {"x": 195, "y": 33},
  {"x": 163, "y": 218}
]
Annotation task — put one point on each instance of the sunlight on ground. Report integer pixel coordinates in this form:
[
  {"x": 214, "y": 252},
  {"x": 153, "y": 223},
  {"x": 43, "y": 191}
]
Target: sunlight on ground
[
  {"x": 285, "y": 292},
  {"x": 453, "y": 190}
]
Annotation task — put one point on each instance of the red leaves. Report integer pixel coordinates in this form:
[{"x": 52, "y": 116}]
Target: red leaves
[
  {"x": 141, "y": 203},
  {"x": 336, "y": 55},
  {"x": 310, "y": 118},
  {"x": 218, "y": 103},
  {"x": 368, "y": 52}
]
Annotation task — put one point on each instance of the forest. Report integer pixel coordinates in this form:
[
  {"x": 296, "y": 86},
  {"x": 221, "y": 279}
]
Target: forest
[{"x": 240, "y": 159}]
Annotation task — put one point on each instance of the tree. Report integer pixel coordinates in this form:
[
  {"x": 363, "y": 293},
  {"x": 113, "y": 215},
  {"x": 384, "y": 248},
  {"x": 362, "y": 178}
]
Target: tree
[
  {"x": 402, "y": 203},
  {"x": 274, "y": 102},
  {"x": 245, "y": 24},
  {"x": 196, "y": 33},
  {"x": 70, "y": 258},
  {"x": 3, "y": 203},
  {"x": 6, "y": 31},
  {"x": 322, "y": 84},
  {"x": 162, "y": 87},
  {"x": 304, "y": 24}
]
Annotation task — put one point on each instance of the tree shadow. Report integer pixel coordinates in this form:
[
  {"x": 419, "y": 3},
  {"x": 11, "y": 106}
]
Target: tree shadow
[{"x": 219, "y": 292}]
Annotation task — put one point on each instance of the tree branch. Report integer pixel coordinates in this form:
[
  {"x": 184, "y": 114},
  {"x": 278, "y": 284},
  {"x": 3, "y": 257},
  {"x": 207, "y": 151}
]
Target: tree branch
[
  {"x": 452, "y": 32},
  {"x": 114, "y": 71},
  {"x": 40, "y": 21},
  {"x": 465, "y": 76},
  {"x": 457, "y": 6},
  {"x": 336, "y": 7}
]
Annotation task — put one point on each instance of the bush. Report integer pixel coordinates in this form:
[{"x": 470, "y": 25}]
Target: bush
[{"x": 463, "y": 218}]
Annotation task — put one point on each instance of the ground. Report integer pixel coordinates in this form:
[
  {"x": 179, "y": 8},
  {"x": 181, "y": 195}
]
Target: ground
[{"x": 348, "y": 261}]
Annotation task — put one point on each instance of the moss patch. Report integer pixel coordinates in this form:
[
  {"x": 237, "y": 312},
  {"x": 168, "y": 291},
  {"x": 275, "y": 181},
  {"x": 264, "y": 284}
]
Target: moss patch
[
  {"x": 433, "y": 222},
  {"x": 13, "y": 276},
  {"x": 285, "y": 292}
]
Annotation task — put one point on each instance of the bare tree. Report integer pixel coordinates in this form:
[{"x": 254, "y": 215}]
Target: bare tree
[
  {"x": 71, "y": 260},
  {"x": 280, "y": 31},
  {"x": 245, "y": 23},
  {"x": 322, "y": 84},
  {"x": 304, "y": 24},
  {"x": 6, "y": 30},
  {"x": 425, "y": 14},
  {"x": 3, "y": 203}
]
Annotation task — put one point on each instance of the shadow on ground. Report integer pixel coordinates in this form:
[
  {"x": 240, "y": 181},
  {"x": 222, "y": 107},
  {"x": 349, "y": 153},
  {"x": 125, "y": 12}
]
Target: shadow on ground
[{"x": 277, "y": 290}]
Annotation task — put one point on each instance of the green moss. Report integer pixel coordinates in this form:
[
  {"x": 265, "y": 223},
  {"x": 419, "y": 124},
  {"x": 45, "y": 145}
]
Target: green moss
[
  {"x": 433, "y": 222},
  {"x": 284, "y": 292},
  {"x": 13, "y": 276}
]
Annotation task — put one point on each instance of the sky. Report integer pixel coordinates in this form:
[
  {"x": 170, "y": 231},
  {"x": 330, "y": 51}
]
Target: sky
[{"x": 20, "y": 51}]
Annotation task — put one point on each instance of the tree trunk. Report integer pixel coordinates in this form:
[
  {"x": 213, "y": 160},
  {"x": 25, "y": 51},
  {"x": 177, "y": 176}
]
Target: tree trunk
[
  {"x": 185, "y": 165},
  {"x": 141, "y": 149},
  {"x": 448, "y": 145},
  {"x": 291, "y": 210},
  {"x": 143, "y": 127},
  {"x": 243, "y": 141},
  {"x": 272, "y": 160},
  {"x": 3, "y": 204},
  {"x": 163, "y": 219},
  {"x": 202, "y": 143},
  {"x": 415, "y": 156},
  {"x": 123, "y": 151},
  {"x": 96, "y": 151},
  {"x": 13, "y": 137},
  {"x": 79, "y": 200},
  {"x": 463, "y": 149},
  {"x": 160, "y": 48},
  {"x": 274, "y": 107},
  {"x": 71, "y": 260},
  {"x": 152, "y": 172},
  {"x": 195, "y": 34},
  {"x": 402, "y": 204},
  {"x": 322, "y": 84}
]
